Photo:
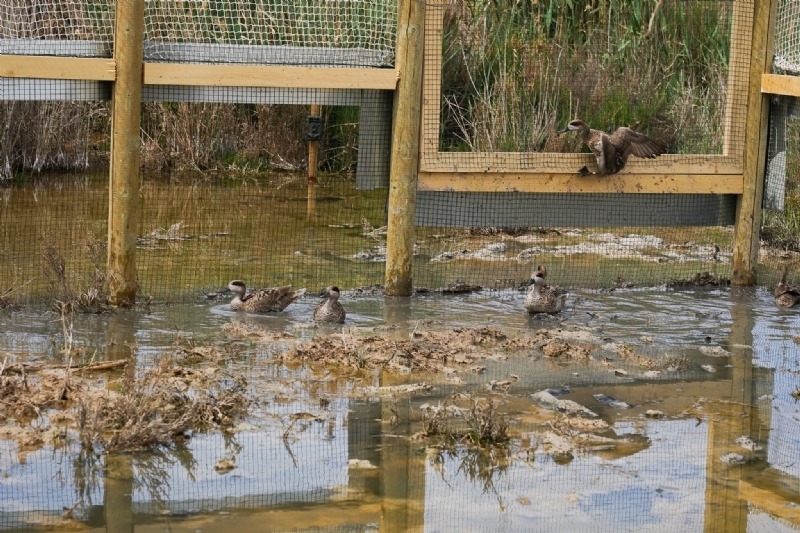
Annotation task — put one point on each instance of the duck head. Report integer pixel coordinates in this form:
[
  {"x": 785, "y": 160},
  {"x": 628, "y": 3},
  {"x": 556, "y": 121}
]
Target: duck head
[
  {"x": 574, "y": 125},
  {"x": 330, "y": 292},
  {"x": 538, "y": 276},
  {"x": 237, "y": 287}
]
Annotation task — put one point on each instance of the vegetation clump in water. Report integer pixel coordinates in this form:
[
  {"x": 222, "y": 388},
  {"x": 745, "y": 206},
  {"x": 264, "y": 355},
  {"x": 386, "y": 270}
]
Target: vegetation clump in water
[{"x": 158, "y": 407}]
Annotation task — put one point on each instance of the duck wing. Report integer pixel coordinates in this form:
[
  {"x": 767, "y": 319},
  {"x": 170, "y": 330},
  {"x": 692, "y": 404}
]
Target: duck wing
[
  {"x": 286, "y": 297},
  {"x": 628, "y": 141},
  {"x": 605, "y": 153}
]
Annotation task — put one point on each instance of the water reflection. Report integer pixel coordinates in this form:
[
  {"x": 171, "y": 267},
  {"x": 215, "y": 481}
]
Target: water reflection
[{"x": 313, "y": 456}]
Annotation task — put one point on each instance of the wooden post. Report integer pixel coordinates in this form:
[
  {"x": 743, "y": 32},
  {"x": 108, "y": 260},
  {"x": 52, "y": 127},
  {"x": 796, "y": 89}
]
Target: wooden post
[
  {"x": 405, "y": 147},
  {"x": 313, "y": 163},
  {"x": 748, "y": 209},
  {"x": 126, "y": 104}
]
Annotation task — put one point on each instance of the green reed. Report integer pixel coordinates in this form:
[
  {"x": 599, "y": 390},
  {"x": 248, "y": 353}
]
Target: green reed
[{"x": 515, "y": 70}]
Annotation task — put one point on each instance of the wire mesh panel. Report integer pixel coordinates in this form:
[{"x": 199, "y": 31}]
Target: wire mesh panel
[
  {"x": 510, "y": 76},
  {"x": 787, "y": 37},
  {"x": 504, "y": 78},
  {"x": 70, "y": 28},
  {"x": 308, "y": 32},
  {"x": 238, "y": 203}
]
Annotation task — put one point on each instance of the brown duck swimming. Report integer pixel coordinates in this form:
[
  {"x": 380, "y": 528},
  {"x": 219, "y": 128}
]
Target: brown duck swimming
[
  {"x": 612, "y": 151},
  {"x": 786, "y": 295},
  {"x": 272, "y": 299},
  {"x": 542, "y": 298},
  {"x": 330, "y": 310}
]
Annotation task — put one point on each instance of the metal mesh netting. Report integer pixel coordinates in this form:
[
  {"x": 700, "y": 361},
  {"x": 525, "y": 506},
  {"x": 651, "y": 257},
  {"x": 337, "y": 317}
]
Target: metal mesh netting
[
  {"x": 787, "y": 37},
  {"x": 507, "y": 79},
  {"x": 70, "y": 28},
  {"x": 211, "y": 213},
  {"x": 364, "y": 28},
  {"x": 510, "y": 78},
  {"x": 355, "y": 24}
]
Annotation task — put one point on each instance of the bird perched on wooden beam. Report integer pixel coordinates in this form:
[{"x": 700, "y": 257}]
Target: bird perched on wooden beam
[{"x": 612, "y": 151}]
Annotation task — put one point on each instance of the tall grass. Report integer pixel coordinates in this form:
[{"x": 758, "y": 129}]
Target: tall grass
[
  {"x": 36, "y": 136},
  {"x": 72, "y": 136},
  {"x": 782, "y": 229},
  {"x": 513, "y": 71}
]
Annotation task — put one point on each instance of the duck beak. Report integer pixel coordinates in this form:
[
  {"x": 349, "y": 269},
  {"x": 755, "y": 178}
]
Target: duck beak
[{"x": 563, "y": 130}]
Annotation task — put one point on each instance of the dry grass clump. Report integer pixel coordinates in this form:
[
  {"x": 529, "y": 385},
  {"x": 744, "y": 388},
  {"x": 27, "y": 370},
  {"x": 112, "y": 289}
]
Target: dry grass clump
[
  {"x": 7, "y": 300},
  {"x": 67, "y": 298},
  {"x": 466, "y": 419},
  {"x": 158, "y": 407},
  {"x": 39, "y": 136},
  {"x": 430, "y": 351},
  {"x": 162, "y": 405}
]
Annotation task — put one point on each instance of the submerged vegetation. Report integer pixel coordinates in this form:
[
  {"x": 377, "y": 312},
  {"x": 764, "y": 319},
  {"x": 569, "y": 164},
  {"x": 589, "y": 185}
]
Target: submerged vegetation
[{"x": 185, "y": 390}]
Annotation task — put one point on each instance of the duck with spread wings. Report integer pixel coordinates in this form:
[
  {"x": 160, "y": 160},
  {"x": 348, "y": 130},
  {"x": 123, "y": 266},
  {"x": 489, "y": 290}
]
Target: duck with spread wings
[{"x": 611, "y": 151}]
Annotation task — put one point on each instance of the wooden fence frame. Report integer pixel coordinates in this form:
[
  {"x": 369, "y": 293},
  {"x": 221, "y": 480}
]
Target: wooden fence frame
[
  {"x": 128, "y": 74},
  {"x": 416, "y": 162},
  {"x": 738, "y": 171}
]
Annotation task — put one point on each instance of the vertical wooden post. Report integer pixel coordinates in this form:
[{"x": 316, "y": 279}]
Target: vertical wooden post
[
  {"x": 405, "y": 147},
  {"x": 313, "y": 163},
  {"x": 748, "y": 208},
  {"x": 126, "y": 105}
]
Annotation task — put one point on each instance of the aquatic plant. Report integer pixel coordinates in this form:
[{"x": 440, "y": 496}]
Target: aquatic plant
[{"x": 464, "y": 418}]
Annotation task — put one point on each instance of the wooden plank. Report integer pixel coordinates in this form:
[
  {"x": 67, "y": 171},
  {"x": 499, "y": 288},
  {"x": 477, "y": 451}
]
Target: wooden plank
[
  {"x": 552, "y": 163},
  {"x": 51, "y": 67},
  {"x": 770, "y": 501},
  {"x": 269, "y": 76},
  {"x": 404, "y": 166},
  {"x": 780, "y": 84},
  {"x": 124, "y": 179},
  {"x": 748, "y": 222},
  {"x": 571, "y": 183}
]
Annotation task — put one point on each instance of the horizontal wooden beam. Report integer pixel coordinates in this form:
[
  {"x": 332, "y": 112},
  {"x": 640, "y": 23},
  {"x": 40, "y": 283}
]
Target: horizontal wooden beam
[
  {"x": 269, "y": 76},
  {"x": 770, "y": 501},
  {"x": 563, "y": 163},
  {"x": 780, "y": 84},
  {"x": 103, "y": 69},
  {"x": 574, "y": 183},
  {"x": 55, "y": 67}
]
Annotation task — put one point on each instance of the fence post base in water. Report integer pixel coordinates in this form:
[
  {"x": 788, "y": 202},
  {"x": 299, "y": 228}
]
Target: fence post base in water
[
  {"x": 405, "y": 148},
  {"x": 123, "y": 194},
  {"x": 748, "y": 209}
]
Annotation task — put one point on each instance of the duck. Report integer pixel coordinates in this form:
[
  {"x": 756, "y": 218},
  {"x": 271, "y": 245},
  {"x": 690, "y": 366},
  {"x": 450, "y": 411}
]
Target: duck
[
  {"x": 612, "y": 151},
  {"x": 329, "y": 309},
  {"x": 269, "y": 300},
  {"x": 786, "y": 295},
  {"x": 542, "y": 298}
]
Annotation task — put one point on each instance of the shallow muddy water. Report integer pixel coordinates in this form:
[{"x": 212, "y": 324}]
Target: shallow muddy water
[
  {"x": 196, "y": 233},
  {"x": 319, "y": 451}
]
